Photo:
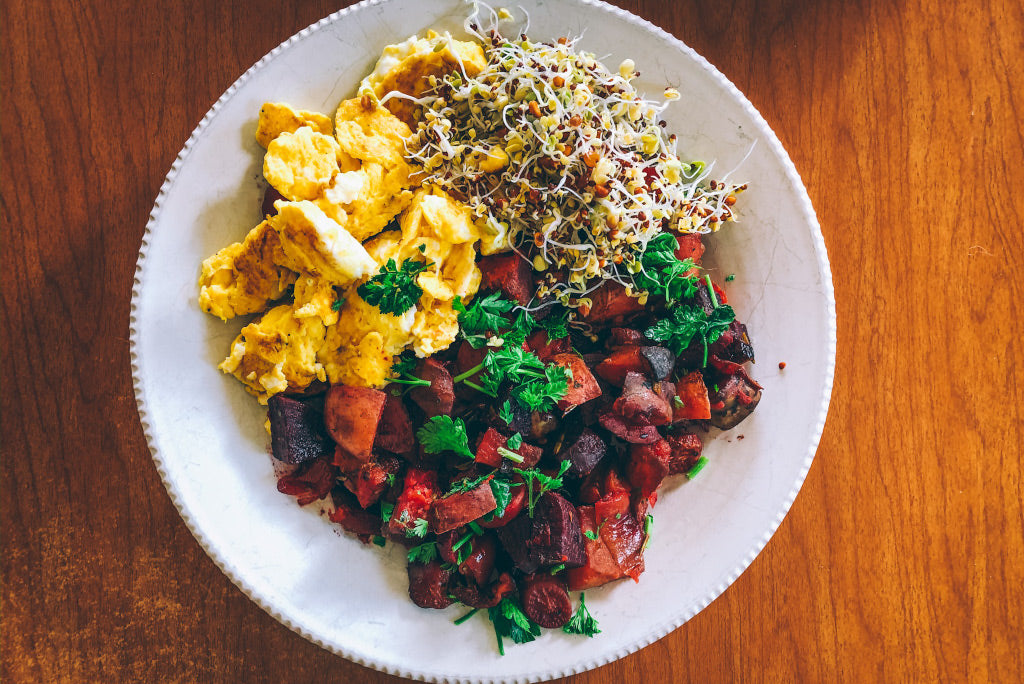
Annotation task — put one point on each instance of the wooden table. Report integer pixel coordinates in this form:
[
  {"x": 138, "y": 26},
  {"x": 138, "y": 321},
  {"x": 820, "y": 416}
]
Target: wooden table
[{"x": 902, "y": 559}]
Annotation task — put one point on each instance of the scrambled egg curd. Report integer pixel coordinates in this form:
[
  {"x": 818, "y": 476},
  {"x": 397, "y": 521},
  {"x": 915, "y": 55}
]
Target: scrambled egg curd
[{"x": 351, "y": 202}]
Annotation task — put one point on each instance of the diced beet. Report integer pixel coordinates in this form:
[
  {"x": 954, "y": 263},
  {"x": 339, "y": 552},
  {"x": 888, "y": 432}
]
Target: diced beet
[
  {"x": 630, "y": 432},
  {"x": 461, "y": 508},
  {"x": 693, "y": 401},
  {"x": 556, "y": 537},
  {"x": 492, "y": 440},
  {"x": 625, "y": 537},
  {"x": 479, "y": 561},
  {"x": 641, "y": 405},
  {"x": 690, "y": 247},
  {"x": 545, "y": 600},
  {"x": 545, "y": 347},
  {"x": 686, "y": 448},
  {"x": 514, "y": 537},
  {"x": 582, "y": 387},
  {"x": 310, "y": 481},
  {"x": 660, "y": 360},
  {"x": 371, "y": 480},
  {"x": 585, "y": 453},
  {"x": 621, "y": 337},
  {"x": 624, "y": 360},
  {"x": 516, "y": 504},
  {"x": 600, "y": 567},
  {"x": 394, "y": 432},
  {"x": 648, "y": 466},
  {"x": 734, "y": 345},
  {"x": 297, "y": 431},
  {"x": 352, "y": 517},
  {"x": 735, "y": 399},
  {"x": 418, "y": 492},
  {"x": 439, "y": 397},
  {"x": 428, "y": 585},
  {"x": 509, "y": 273},
  {"x": 609, "y": 302},
  {"x": 351, "y": 415}
]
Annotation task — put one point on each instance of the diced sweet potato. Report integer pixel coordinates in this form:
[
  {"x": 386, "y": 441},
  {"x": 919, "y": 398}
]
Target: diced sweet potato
[
  {"x": 686, "y": 448},
  {"x": 297, "y": 431},
  {"x": 627, "y": 359},
  {"x": 600, "y": 567},
  {"x": 640, "y": 404},
  {"x": 613, "y": 505},
  {"x": 515, "y": 506},
  {"x": 509, "y": 273},
  {"x": 582, "y": 387},
  {"x": 351, "y": 415},
  {"x": 545, "y": 600},
  {"x": 428, "y": 585},
  {"x": 352, "y": 517},
  {"x": 418, "y": 492},
  {"x": 584, "y": 453},
  {"x": 693, "y": 401},
  {"x": 544, "y": 347},
  {"x": 609, "y": 302},
  {"x": 310, "y": 481},
  {"x": 394, "y": 432},
  {"x": 439, "y": 398},
  {"x": 461, "y": 508},
  {"x": 625, "y": 537},
  {"x": 690, "y": 247},
  {"x": 648, "y": 466},
  {"x": 492, "y": 440}
]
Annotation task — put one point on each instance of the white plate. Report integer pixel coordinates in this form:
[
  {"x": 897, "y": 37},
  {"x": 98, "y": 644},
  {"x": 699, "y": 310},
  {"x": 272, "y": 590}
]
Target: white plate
[{"x": 207, "y": 435}]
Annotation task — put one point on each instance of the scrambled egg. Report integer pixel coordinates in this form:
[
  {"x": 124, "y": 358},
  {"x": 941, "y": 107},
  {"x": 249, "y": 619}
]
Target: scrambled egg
[
  {"x": 408, "y": 66},
  {"x": 344, "y": 181}
]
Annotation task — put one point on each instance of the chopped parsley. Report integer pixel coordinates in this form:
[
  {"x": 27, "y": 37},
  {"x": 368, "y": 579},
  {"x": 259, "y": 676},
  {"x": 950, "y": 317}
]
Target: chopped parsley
[
  {"x": 687, "y": 322},
  {"x": 394, "y": 290},
  {"x": 544, "y": 483},
  {"x": 664, "y": 274},
  {"x": 419, "y": 528},
  {"x": 511, "y": 622}
]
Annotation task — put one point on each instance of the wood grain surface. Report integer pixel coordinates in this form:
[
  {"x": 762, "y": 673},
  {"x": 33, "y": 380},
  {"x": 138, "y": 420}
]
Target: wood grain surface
[{"x": 902, "y": 559}]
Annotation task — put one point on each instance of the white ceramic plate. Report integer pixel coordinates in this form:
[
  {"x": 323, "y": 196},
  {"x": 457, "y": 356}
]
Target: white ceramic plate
[{"x": 207, "y": 435}]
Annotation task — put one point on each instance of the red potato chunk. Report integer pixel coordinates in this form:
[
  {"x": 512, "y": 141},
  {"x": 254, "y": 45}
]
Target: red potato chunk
[
  {"x": 394, "y": 432},
  {"x": 648, "y": 466},
  {"x": 351, "y": 415},
  {"x": 582, "y": 387},
  {"x": 640, "y": 404},
  {"x": 439, "y": 398},
  {"x": 621, "y": 362},
  {"x": 428, "y": 585},
  {"x": 686, "y": 449},
  {"x": 509, "y": 273},
  {"x": 458, "y": 509},
  {"x": 693, "y": 401},
  {"x": 600, "y": 567}
]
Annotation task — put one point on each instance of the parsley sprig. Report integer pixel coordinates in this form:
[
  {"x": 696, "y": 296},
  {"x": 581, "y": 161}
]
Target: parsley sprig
[
  {"x": 510, "y": 621},
  {"x": 537, "y": 483},
  {"x": 582, "y": 622},
  {"x": 442, "y": 433},
  {"x": 688, "y": 321},
  {"x": 664, "y": 274},
  {"x": 394, "y": 289}
]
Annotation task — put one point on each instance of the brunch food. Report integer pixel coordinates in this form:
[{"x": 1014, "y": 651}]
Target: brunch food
[{"x": 483, "y": 331}]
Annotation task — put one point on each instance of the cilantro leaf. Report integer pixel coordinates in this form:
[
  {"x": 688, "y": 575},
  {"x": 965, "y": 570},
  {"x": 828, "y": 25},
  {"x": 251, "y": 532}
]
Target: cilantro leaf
[
  {"x": 582, "y": 622},
  {"x": 441, "y": 433},
  {"x": 663, "y": 272},
  {"x": 501, "y": 489},
  {"x": 419, "y": 528},
  {"x": 424, "y": 553},
  {"x": 394, "y": 290},
  {"x": 386, "y": 509}
]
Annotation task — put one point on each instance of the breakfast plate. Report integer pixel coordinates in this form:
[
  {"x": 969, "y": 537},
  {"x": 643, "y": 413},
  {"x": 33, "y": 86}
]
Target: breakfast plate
[{"x": 207, "y": 435}]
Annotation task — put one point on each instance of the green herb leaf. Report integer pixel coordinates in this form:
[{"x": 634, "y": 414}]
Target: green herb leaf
[
  {"x": 591, "y": 535},
  {"x": 465, "y": 617},
  {"x": 394, "y": 290},
  {"x": 467, "y": 484},
  {"x": 582, "y": 622},
  {"x": 338, "y": 303},
  {"x": 648, "y": 527},
  {"x": 687, "y": 322},
  {"x": 544, "y": 483},
  {"x": 502, "y": 495},
  {"x": 419, "y": 528},
  {"x": 515, "y": 441},
  {"x": 483, "y": 315},
  {"x": 386, "y": 509},
  {"x": 510, "y": 621},
  {"x": 663, "y": 272},
  {"x": 557, "y": 568},
  {"x": 424, "y": 553},
  {"x": 505, "y": 413},
  {"x": 556, "y": 324},
  {"x": 379, "y": 541},
  {"x": 441, "y": 433}
]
